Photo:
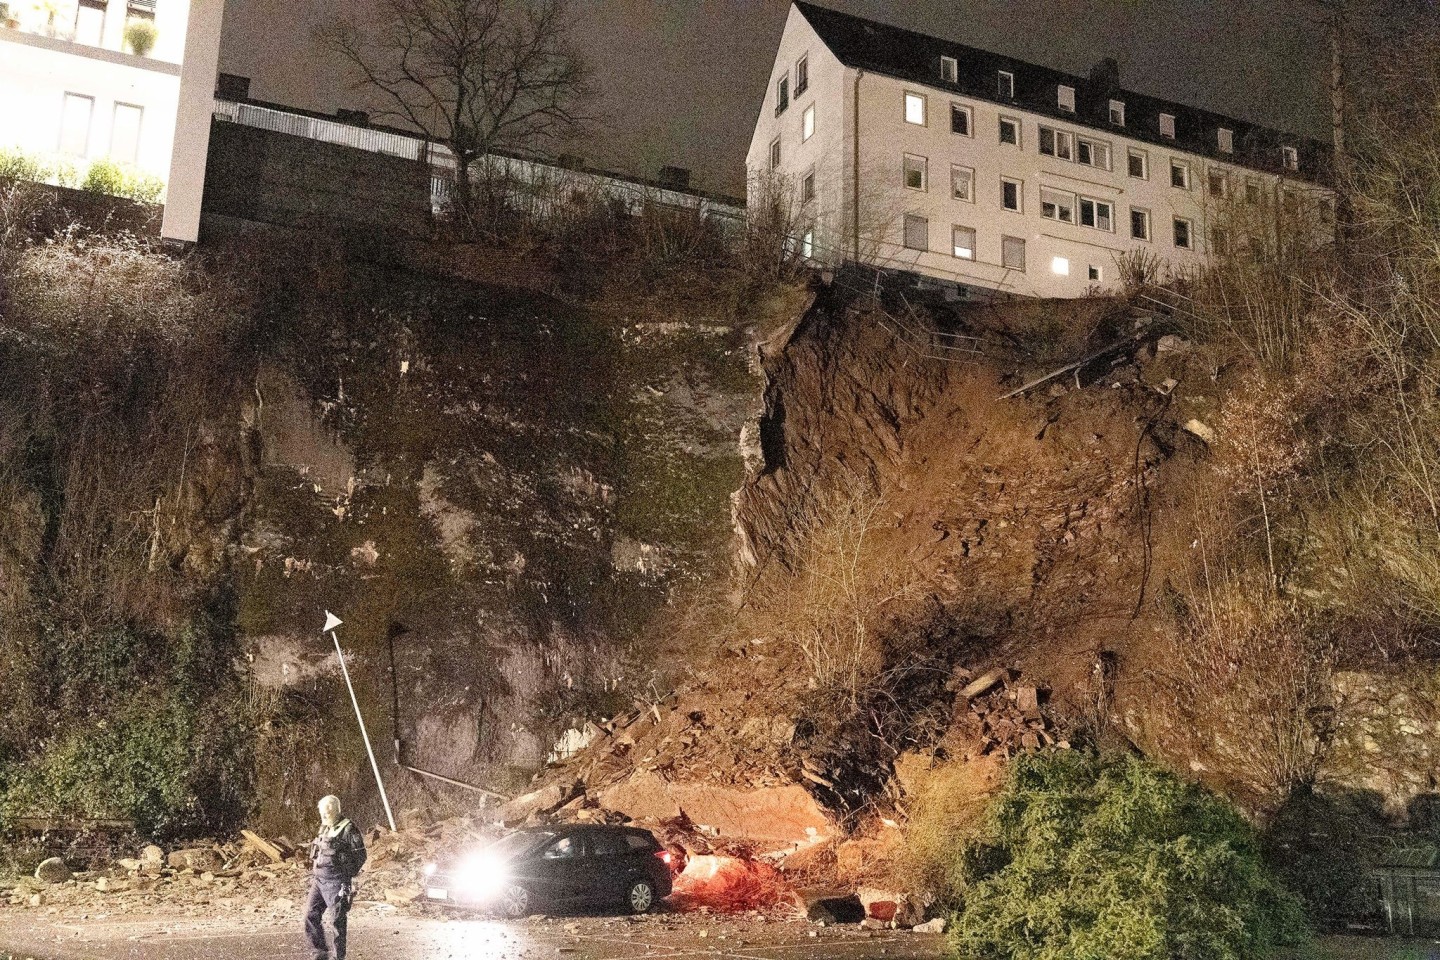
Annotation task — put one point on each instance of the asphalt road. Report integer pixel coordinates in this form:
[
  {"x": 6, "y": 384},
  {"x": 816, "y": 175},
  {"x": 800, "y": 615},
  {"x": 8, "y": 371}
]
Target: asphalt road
[{"x": 378, "y": 932}]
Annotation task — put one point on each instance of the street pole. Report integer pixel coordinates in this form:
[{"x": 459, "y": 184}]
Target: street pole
[{"x": 331, "y": 622}]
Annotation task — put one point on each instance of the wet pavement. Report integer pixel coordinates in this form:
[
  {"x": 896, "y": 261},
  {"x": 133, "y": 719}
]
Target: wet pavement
[{"x": 377, "y": 931}]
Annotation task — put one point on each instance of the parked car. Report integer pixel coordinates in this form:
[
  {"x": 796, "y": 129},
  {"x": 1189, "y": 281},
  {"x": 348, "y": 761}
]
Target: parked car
[{"x": 545, "y": 868}]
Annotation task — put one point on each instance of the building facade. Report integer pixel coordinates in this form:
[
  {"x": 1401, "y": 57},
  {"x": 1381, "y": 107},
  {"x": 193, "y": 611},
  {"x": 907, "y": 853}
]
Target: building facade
[
  {"x": 889, "y": 147},
  {"x": 129, "y": 81}
]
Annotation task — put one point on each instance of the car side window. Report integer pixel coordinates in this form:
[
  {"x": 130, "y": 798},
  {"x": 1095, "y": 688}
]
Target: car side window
[
  {"x": 636, "y": 842},
  {"x": 566, "y": 848},
  {"x": 606, "y": 845}
]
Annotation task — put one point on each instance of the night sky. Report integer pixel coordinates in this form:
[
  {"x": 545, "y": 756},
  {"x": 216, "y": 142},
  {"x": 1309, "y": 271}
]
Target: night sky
[{"x": 681, "y": 81}]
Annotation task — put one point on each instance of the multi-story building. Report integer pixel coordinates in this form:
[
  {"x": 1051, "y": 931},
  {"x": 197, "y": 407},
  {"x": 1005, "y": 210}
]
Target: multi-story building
[
  {"x": 890, "y": 147},
  {"x": 131, "y": 81}
]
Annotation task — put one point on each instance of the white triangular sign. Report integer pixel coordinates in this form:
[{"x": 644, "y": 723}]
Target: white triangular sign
[{"x": 331, "y": 622}]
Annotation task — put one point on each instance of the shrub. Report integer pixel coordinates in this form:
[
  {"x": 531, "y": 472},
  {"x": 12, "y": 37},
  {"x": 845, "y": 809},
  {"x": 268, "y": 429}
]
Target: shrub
[
  {"x": 109, "y": 177},
  {"x": 16, "y": 164},
  {"x": 140, "y": 36},
  {"x": 1091, "y": 856}
]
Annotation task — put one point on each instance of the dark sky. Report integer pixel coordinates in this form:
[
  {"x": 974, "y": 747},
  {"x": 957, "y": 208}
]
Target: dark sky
[{"x": 681, "y": 80}]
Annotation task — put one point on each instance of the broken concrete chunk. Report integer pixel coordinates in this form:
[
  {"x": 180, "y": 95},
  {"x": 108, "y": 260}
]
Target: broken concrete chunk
[
  {"x": 198, "y": 859},
  {"x": 538, "y": 802},
  {"x": 985, "y": 682},
  {"x": 52, "y": 870},
  {"x": 1200, "y": 430},
  {"x": 1027, "y": 698},
  {"x": 936, "y": 925},
  {"x": 152, "y": 857}
]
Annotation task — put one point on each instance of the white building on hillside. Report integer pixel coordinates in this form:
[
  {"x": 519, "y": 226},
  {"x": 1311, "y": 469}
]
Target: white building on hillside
[
  {"x": 78, "y": 84},
  {"x": 902, "y": 150}
]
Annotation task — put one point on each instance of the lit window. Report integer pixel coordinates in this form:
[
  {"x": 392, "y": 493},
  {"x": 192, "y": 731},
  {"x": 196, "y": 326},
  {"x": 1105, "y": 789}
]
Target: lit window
[
  {"x": 915, "y": 108},
  {"x": 1010, "y": 194},
  {"x": 1057, "y": 205},
  {"x": 1005, "y": 85},
  {"x": 1060, "y": 265},
  {"x": 1010, "y": 131},
  {"x": 917, "y": 233},
  {"x": 1139, "y": 224},
  {"x": 1182, "y": 233},
  {"x": 125, "y": 132},
  {"x": 1225, "y": 140},
  {"x": 1139, "y": 164},
  {"x": 782, "y": 95},
  {"x": 1218, "y": 183},
  {"x": 1096, "y": 275},
  {"x": 1290, "y": 157},
  {"x": 1096, "y": 213},
  {"x": 1056, "y": 143},
  {"x": 962, "y": 239},
  {"x": 802, "y": 75},
  {"x": 1092, "y": 153},
  {"x": 960, "y": 119},
  {"x": 1167, "y": 126},
  {"x": 949, "y": 69},
  {"x": 807, "y": 123},
  {"x": 75, "y": 124},
  {"x": 1012, "y": 253},
  {"x": 1180, "y": 174},
  {"x": 807, "y": 244},
  {"x": 962, "y": 183},
  {"x": 807, "y": 188},
  {"x": 1065, "y": 98},
  {"x": 775, "y": 154},
  {"x": 1117, "y": 113},
  {"x": 916, "y": 172}
]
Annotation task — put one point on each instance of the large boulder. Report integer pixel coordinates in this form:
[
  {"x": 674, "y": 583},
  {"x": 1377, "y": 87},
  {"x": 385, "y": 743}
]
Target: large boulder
[
  {"x": 152, "y": 857},
  {"x": 537, "y": 802},
  {"x": 198, "y": 859},
  {"x": 887, "y": 906},
  {"x": 779, "y": 817},
  {"x": 53, "y": 870}
]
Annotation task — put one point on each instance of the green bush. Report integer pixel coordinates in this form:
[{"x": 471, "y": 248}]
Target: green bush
[
  {"x": 140, "y": 36},
  {"x": 1084, "y": 856},
  {"x": 16, "y": 164},
  {"x": 109, "y": 177}
]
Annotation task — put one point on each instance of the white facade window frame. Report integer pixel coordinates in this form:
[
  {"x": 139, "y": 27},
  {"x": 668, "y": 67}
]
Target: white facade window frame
[
  {"x": 1065, "y": 98},
  {"x": 115, "y": 128},
  {"x": 961, "y": 175},
  {"x": 807, "y": 243},
  {"x": 1167, "y": 126},
  {"x": 1182, "y": 167},
  {"x": 962, "y": 242},
  {"x": 949, "y": 69},
  {"x": 1060, "y": 266},
  {"x": 968, "y": 113},
  {"x": 1094, "y": 205},
  {"x": 1188, "y": 225},
  {"x": 807, "y": 123},
  {"x": 807, "y": 186},
  {"x": 1225, "y": 140},
  {"x": 89, "y": 107},
  {"x": 1009, "y": 245},
  {"x": 1290, "y": 158},
  {"x": 1144, "y": 214},
  {"x": 1013, "y": 123},
  {"x": 1098, "y": 150},
  {"x": 775, "y": 155},
  {"x": 1117, "y": 113},
  {"x": 1133, "y": 154},
  {"x": 1095, "y": 274},
  {"x": 1019, "y": 186},
  {"x": 914, "y": 220},
  {"x": 1005, "y": 85},
  {"x": 1057, "y": 205},
  {"x": 782, "y": 94},
  {"x": 914, "y": 163},
  {"x": 1220, "y": 176},
  {"x": 1061, "y": 143},
  {"x": 802, "y": 74},
  {"x": 917, "y": 108}
]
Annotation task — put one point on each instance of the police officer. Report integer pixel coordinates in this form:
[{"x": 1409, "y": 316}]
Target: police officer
[{"x": 336, "y": 856}]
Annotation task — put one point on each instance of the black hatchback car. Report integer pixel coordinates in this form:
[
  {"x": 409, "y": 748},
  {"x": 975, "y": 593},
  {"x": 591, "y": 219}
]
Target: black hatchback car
[{"x": 543, "y": 868}]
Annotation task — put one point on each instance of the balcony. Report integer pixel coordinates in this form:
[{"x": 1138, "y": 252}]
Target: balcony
[{"x": 127, "y": 27}]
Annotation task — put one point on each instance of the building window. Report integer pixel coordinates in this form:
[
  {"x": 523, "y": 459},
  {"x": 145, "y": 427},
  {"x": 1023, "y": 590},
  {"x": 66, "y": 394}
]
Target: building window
[
  {"x": 1139, "y": 224},
  {"x": 1012, "y": 253},
  {"x": 75, "y": 116},
  {"x": 125, "y": 132},
  {"x": 1096, "y": 274},
  {"x": 1218, "y": 183},
  {"x": 960, "y": 118},
  {"x": 807, "y": 188},
  {"x": 1056, "y": 143},
  {"x": 1092, "y": 153},
  {"x": 802, "y": 75},
  {"x": 775, "y": 154},
  {"x": 949, "y": 69},
  {"x": 1099, "y": 214},
  {"x": 1182, "y": 233},
  {"x": 807, "y": 123},
  {"x": 782, "y": 95},
  {"x": 962, "y": 241},
  {"x": 917, "y": 232},
  {"x": 1180, "y": 174},
  {"x": 916, "y": 173},
  {"x": 1138, "y": 164},
  {"x": 1060, "y": 266},
  {"x": 1010, "y": 194},
  {"x": 962, "y": 183},
  {"x": 1057, "y": 205},
  {"x": 1252, "y": 191},
  {"x": 915, "y": 108},
  {"x": 807, "y": 243},
  {"x": 90, "y": 22},
  {"x": 1010, "y": 131},
  {"x": 1005, "y": 85},
  {"x": 1290, "y": 157},
  {"x": 1167, "y": 126},
  {"x": 1065, "y": 98},
  {"x": 1220, "y": 242},
  {"x": 1225, "y": 140},
  {"x": 1117, "y": 113}
]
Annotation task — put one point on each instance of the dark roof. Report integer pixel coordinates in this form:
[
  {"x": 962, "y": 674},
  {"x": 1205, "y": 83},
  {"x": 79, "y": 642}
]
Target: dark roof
[{"x": 907, "y": 55}]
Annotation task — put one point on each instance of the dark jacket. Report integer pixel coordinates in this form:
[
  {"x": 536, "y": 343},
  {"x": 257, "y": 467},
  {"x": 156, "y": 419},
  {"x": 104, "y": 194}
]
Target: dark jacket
[{"x": 338, "y": 852}]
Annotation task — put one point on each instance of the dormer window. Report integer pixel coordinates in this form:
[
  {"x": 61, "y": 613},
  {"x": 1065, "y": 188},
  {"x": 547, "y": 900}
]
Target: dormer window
[
  {"x": 1290, "y": 157},
  {"x": 802, "y": 76},
  {"x": 1005, "y": 85},
  {"x": 949, "y": 69},
  {"x": 1117, "y": 113},
  {"x": 1065, "y": 98},
  {"x": 1167, "y": 126},
  {"x": 782, "y": 95},
  {"x": 1225, "y": 140}
]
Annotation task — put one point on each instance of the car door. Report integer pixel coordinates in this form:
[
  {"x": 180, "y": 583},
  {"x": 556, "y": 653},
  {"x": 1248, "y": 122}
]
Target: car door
[
  {"x": 605, "y": 876},
  {"x": 558, "y": 868}
]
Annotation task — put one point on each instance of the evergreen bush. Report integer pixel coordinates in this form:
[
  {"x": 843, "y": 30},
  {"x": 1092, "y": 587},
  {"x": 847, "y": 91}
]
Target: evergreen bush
[
  {"x": 140, "y": 36},
  {"x": 1084, "y": 856}
]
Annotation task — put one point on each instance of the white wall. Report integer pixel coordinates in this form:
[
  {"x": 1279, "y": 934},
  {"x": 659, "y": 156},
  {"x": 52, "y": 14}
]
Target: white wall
[{"x": 191, "y": 138}]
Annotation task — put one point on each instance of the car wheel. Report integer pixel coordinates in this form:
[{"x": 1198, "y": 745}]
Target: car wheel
[
  {"x": 640, "y": 897},
  {"x": 514, "y": 902}
]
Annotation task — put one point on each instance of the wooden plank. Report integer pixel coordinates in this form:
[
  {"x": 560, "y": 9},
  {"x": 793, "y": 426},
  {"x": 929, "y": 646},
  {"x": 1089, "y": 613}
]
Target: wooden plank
[{"x": 264, "y": 846}]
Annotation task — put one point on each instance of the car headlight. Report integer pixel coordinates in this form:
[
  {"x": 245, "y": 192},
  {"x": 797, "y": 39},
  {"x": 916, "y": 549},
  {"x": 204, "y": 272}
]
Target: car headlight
[{"x": 482, "y": 876}]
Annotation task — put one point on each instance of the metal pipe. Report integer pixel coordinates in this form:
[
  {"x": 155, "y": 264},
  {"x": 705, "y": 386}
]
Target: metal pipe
[{"x": 332, "y": 621}]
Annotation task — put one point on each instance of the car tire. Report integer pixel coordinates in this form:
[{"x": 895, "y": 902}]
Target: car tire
[
  {"x": 514, "y": 902},
  {"x": 640, "y": 896}
]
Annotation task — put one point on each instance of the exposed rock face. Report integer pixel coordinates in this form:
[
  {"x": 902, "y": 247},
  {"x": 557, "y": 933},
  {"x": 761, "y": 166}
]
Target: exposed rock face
[{"x": 778, "y": 816}]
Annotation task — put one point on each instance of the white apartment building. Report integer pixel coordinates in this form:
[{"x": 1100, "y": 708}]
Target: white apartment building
[
  {"x": 906, "y": 151},
  {"x": 74, "y": 89}
]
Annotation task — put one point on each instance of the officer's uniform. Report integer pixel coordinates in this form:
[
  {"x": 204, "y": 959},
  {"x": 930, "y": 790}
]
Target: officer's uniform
[{"x": 336, "y": 856}]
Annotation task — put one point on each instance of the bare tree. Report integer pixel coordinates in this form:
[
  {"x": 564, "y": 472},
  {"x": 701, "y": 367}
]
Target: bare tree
[{"x": 473, "y": 75}]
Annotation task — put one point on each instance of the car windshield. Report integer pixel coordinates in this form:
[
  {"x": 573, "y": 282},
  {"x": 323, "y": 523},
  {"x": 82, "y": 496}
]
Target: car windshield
[{"x": 514, "y": 845}]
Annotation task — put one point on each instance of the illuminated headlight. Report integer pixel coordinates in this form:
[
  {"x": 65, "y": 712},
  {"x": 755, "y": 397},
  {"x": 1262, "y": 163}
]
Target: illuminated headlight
[
  {"x": 428, "y": 869},
  {"x": 481, "y": 877}
]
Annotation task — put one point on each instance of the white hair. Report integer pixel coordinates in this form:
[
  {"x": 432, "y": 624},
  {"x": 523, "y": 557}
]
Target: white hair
[{"x": 329, "y": 807}]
